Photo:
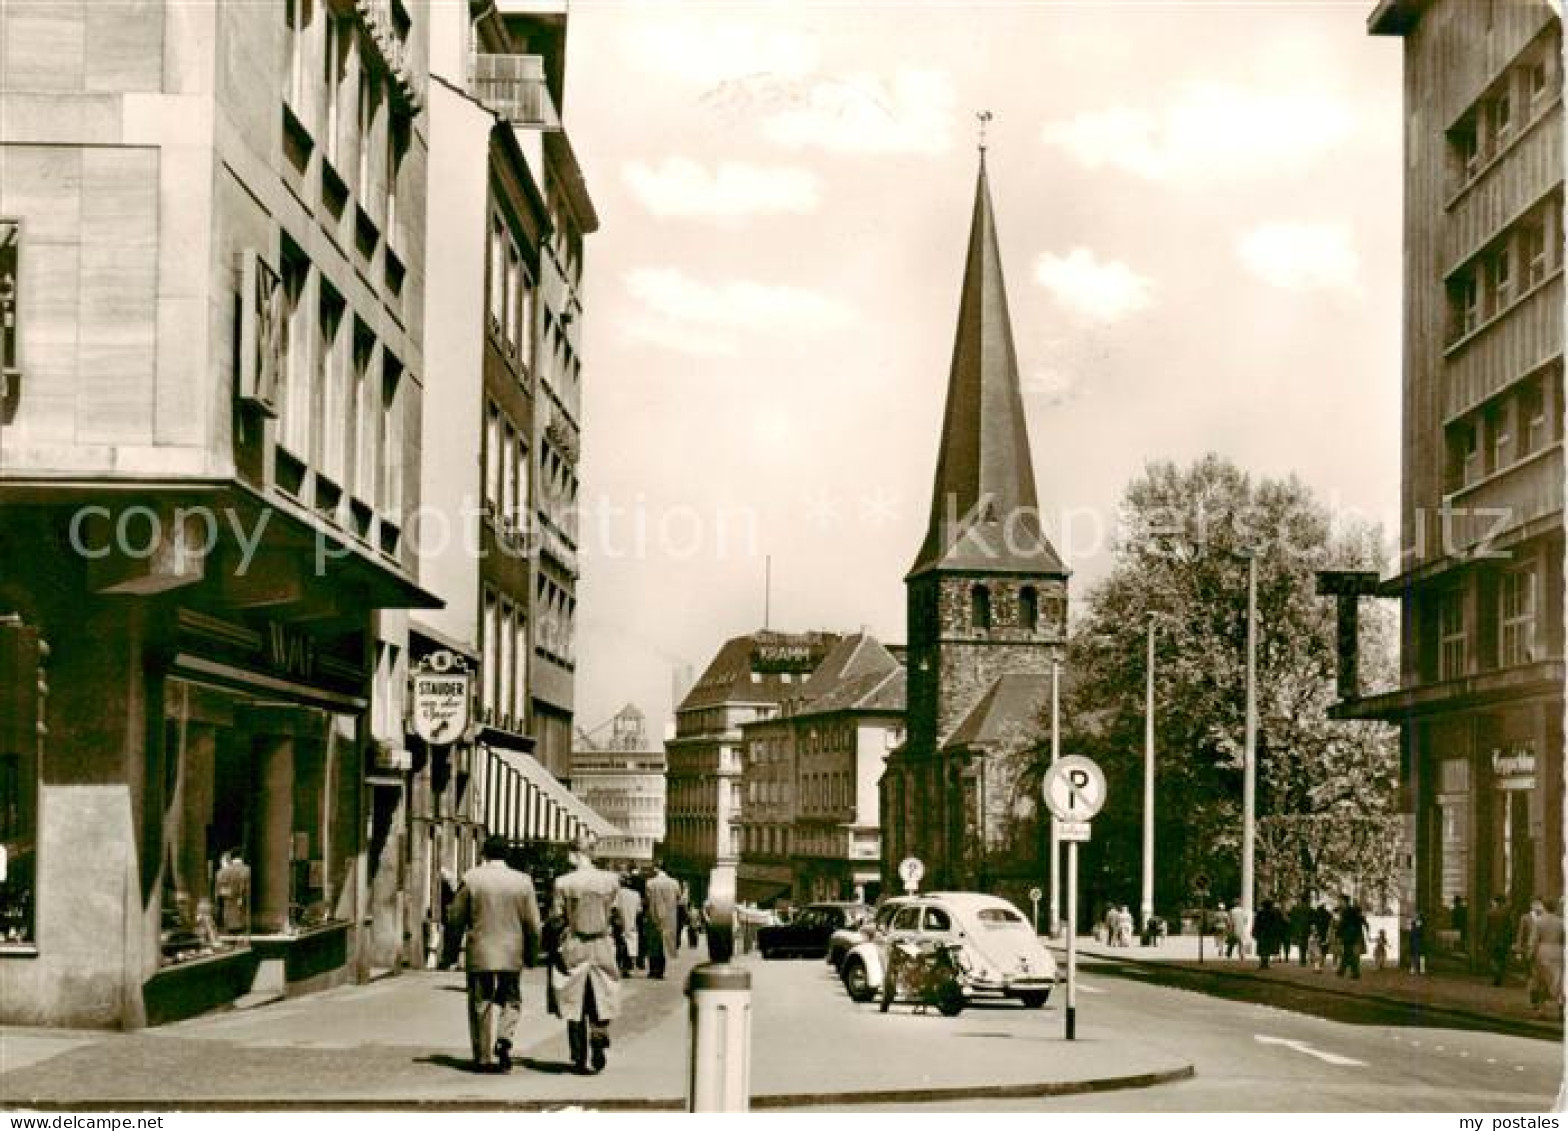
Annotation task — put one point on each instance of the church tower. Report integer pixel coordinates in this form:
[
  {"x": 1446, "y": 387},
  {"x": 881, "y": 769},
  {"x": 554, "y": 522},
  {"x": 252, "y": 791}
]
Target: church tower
[{"x": 987, "y": 594}]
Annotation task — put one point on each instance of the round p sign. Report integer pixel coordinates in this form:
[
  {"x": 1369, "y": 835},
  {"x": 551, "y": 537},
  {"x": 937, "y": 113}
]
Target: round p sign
[{"x": 1074, "y": 789}]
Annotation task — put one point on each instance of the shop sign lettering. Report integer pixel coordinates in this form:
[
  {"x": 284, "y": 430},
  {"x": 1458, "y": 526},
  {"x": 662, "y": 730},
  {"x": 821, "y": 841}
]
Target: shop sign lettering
[
  {"x": 440, "y": 706},
  {"x": 291, "y": 651},
  {"x": 1514, "y": 762}
]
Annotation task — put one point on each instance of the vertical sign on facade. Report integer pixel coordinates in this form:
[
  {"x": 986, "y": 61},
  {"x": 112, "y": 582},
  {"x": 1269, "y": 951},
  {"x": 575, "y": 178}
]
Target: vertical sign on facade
[
  {"x": 10, "y": 290},
  {"x": 261, "y": 334}
]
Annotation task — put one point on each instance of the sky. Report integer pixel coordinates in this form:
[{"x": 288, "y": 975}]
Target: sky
[{"x": 1198, "y": 208}]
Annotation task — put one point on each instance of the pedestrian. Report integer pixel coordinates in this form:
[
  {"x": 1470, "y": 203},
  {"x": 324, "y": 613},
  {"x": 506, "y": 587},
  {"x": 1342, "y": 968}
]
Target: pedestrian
[
  {"x": 1417, "y": 943},
  {"x": 1300, "y": 929},
  {"x": 1546, "y": 959},
  {"x": 584, "y": 974},
  {"x": 1221, "y": 925},
  {"x": 497, "y": 909},
  {"x": 1235, "y": 928},
  {"x": 1123, "y": 926},
  {"x": 1497, "y": 938},
  {"x": 663, "y": 902},
  {"x": 1380, "y": 950},
  {"x": 1272, "y": 932},
  {"x": 1315, "y": 950},
  {"x": 1524, "y": 938},
  {"x": 1459, "y": 920},
  {"x": 628, "y": 936},
  {"x": 1352, "y": 932}
]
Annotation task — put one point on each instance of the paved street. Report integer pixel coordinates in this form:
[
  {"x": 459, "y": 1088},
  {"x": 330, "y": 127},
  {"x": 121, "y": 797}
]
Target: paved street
[{"x": 402, "y": 1042}]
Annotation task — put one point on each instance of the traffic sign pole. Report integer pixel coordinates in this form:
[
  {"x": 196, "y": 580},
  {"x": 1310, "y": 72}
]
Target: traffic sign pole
[{"x": 1072, "y": 931}]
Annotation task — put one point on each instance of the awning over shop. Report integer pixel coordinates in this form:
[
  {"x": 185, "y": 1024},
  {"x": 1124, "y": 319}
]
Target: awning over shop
[{"x": 526, "y": 802}]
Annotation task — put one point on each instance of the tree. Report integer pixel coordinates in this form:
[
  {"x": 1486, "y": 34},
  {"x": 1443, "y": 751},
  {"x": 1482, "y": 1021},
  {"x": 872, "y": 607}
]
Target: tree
[{"x": 1326, "y": 788}]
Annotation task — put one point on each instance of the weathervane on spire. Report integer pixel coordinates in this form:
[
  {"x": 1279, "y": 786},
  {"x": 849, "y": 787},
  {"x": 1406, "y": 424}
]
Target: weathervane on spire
[{"x": 984, "y": 117}]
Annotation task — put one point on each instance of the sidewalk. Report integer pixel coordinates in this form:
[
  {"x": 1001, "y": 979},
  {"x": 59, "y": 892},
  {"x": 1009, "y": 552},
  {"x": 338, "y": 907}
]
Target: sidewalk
[
  {"x": 1459, "y": 995},
  {"x": 402, "y": 1043}
]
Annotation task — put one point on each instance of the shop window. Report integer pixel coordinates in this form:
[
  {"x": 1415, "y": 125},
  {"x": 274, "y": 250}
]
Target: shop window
[
  {"x": 259, "y": 812},
  {"x": 22, "y": 656}
]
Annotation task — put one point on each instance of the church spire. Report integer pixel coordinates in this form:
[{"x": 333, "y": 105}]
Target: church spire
[{"x": 984, "y": 514}]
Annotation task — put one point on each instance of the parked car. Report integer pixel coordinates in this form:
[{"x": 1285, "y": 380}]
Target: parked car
[
  {"x": 1001, "y": 953},
  {"x": 846, "y": 939},
  {"x": 807, "y": 933}
]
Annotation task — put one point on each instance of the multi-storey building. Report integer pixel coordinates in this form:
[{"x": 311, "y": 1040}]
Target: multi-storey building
[
  {"x": 214, "y": 233},
  {"x": 620, "y": 776},
  {"x": 1480, "y": 576},
  {"x": 747, "y": 681},
  {"x": 987, "y": 601},
  {"x": 811, "y": 828},
  {"x": 493, "y": 320}
]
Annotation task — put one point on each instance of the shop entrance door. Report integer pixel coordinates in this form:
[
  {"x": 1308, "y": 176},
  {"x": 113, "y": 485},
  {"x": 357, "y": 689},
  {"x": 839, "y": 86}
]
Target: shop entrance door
[{"x": 1517, "y": 847}]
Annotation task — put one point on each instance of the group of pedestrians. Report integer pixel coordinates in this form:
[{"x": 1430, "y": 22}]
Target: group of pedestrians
[
  {"x": 1536, "y": 941},
  {"x": 600, "y": 926},
  {"x": 1118, "y": 925}
]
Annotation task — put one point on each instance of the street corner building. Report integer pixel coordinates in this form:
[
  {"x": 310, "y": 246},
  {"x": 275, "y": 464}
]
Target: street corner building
[
  {"x": 1480, "y": 577},
  {"x": 987, "y": 616}
]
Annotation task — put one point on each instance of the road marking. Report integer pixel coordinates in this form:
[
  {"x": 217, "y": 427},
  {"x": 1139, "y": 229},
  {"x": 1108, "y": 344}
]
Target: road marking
[
  {"x": 1302, "y": 1046},
  {"x": 1083, "y": 989}
]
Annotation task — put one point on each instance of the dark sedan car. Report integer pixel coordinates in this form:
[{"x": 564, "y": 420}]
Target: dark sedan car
[{"x": 806, "y": 935}]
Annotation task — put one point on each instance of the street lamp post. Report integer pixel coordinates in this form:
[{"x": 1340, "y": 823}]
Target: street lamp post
[
  {"x": 1053, "y": 912},
  {"x": 1146, "y": 904},
  {"x": 1249, "y": 770}
]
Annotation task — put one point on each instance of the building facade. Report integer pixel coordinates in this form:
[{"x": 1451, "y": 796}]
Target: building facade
[
  {"x": 209, "y": 453},
  {"x": 987, "y": 608},
  {"x": 811, "y": 829},
  {"x": 1480, "y": 578},
  {"x": 747, "y": 681},
  {"x": 620, "y": 776},
  {"x": 494, "y": 105}
]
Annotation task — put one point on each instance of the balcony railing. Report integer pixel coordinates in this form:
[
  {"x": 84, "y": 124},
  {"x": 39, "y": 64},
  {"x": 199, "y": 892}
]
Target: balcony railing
[{"x": 513, "y": 86}]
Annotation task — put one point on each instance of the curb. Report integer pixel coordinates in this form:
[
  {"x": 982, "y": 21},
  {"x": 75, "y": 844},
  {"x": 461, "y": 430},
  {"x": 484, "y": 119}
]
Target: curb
[
  {"x": 766, "y": 1102},
  {"x": 1521, "y": 1026}
]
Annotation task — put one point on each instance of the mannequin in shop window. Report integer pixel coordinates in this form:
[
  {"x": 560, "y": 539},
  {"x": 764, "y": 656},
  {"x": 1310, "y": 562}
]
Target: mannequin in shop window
[{"x": 232, "y": 887}]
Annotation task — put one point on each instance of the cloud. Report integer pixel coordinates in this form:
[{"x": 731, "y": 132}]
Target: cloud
[
  {"x": 1102, "y": 291},
  {"x": 697, "y": 317},
  {"x": 1053, "y": 386},
  {"x": 1302, "y": 256},
  {"x": 1209, "y": 132},
  {"x": 706, "y": 52},
  {"x": 680, "y": 187},
  {"x": 913, "y": 113}
]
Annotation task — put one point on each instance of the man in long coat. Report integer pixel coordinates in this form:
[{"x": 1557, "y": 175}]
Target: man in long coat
[
  {"x": 585, "y": 975},
  {"x": 663, "y": 896},
  {"x": 498, "y": 909},
  {"x": 628, "y": 937}
]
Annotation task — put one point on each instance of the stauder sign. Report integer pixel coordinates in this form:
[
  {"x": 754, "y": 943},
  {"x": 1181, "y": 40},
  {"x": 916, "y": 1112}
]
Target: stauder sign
[{"x": 440, "y": 705}]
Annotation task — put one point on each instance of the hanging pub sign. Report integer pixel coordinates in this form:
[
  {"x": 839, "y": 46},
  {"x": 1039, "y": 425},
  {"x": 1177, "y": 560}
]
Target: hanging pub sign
[
  {"x": 440, "y": 699},
  {"x": 10, "y": 292},
  {"x": 262, "y": 334}
]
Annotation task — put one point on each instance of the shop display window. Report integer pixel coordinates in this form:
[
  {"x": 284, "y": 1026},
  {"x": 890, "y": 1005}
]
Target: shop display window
[{"x": 259, "y": 811}]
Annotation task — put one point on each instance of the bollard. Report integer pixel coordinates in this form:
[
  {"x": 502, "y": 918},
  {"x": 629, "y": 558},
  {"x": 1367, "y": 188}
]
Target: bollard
[{"x": 719, "y": 1072}]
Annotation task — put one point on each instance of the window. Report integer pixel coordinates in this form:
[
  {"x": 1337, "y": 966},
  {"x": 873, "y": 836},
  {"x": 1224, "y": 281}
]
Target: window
[
  {"x": 490, "y": 651},
  {"x": 329, "y": 397},
  {"x": 1453, "y": 642},
  {"x": 520, "y": 675},
  {"x": 1500, "y": 434},
  {"x": 1029, "y": 608},
  {"x": 1516, "y": 614},
  {"x": 1464, "y": 454},
  {"x": 508, "y": 471},
  {"x": 493, "y": 458},
  {"x": 505, "y": 640},
  {"x": 1500, "y": 280},
  {"x": 513, "y": 299},
  {"x": 369, "y": 105},
  {"x": 497, "y": 274},
  {"x": 295, "y": 411},
  {"x": 397, "y": 147},
  {"x": 297, "y": 17},
  {"x": 980, "y": 607},
  {"x": 332, "y": 59},
  {"x": 1502, "y": 120},
  {"x": 1468, "y": 298},
  {"x": 21, "y": 657},
  {"x": 359, "y": 436},
  {"x": 391, "y": 442},
  {"x": 1534, "y": 432}
]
